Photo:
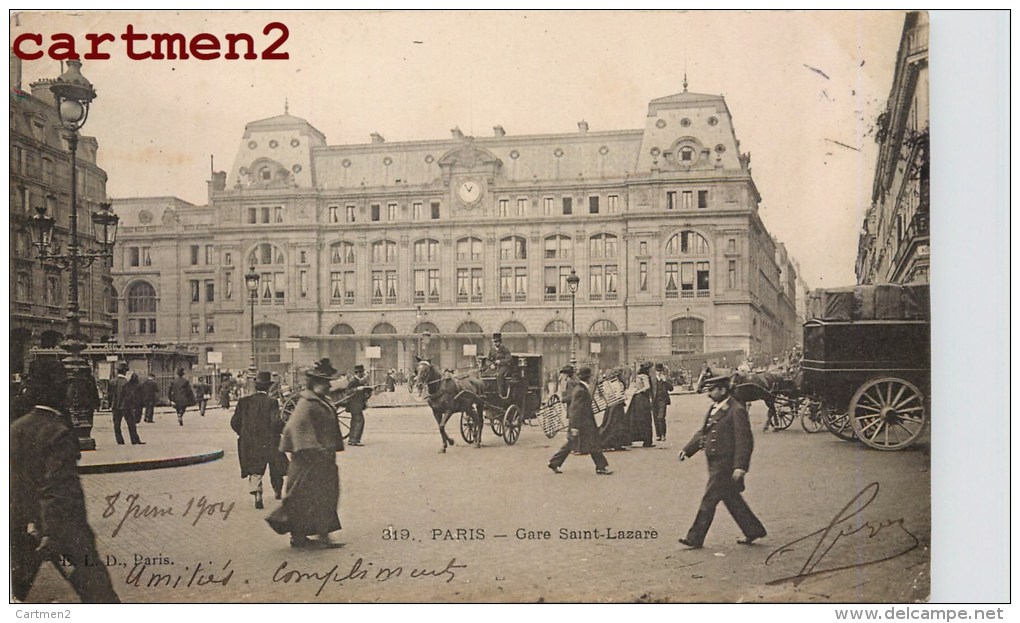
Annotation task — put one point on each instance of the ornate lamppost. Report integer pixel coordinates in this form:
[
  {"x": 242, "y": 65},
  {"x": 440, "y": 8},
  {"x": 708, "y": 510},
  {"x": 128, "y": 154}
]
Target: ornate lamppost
[
  {"x": 251, "y": 281},
  {"x": 572, "y": 282},
  {"x": 73, "y": 94}
]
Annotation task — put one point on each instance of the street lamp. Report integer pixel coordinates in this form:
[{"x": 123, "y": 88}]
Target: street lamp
[
  {"x": 572, "y": 282},
  {"x": 73, "y": 95},
  {"x": 251, "y": 281},
  {"x": 688, "y": 323}
]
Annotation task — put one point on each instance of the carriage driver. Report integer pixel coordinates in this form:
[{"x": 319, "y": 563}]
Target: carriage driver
[{"x": 499, "y": 360}]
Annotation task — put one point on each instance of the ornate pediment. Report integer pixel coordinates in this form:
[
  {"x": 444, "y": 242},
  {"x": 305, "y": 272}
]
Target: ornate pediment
[{"x": 469, "y": 158}]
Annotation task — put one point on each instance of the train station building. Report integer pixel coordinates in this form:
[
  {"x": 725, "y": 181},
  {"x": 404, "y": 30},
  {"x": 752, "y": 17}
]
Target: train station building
[{"x": 373, "y": 253}]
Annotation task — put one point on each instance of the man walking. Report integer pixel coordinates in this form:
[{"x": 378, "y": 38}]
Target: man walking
[
  {"x": 48, "y": 520},
  {"x": 660, "y": 400},
  {"x": 121, "y": 403},
  {"x": 181, "y": 395},
  {"x": 583, "y": 434},
  {"x": 150, "y": 391},
  {"x": 258, "y": 425},
  {"x": 727, "y": 441},
  {"x": 357, "y": 399}
]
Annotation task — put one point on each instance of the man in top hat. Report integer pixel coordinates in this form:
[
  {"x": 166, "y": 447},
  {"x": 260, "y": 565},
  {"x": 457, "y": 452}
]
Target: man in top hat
[
  {"x": 727, "y": 442},
  {"x": 357, "y": 401},
  {"x": 583, "y": 434},
  {"x": 565, "y": 386},
  {"x": 258, "y": 426},
  {"x": 660, "y": 400},
  {"x": 181, "y": 395},
  {"x": 312, "y": 436},
  {"x": 47, "y": 504},
  {"x": 499, "y": 360},
  {"x": 120, "y": 404}
]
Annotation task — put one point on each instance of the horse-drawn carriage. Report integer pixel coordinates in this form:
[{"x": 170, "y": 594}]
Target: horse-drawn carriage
[
  {"x": 338, "y": 396},
  {"x": 507, "y": 413}
]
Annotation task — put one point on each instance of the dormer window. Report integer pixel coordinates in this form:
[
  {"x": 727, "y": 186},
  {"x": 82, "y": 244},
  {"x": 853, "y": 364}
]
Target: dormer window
[
  {"x": 265, "y": 174},
  {"x": 686, "y": 154}
]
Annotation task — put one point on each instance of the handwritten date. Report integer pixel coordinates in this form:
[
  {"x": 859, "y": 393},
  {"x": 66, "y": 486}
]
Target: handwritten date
[{"x": 130, "y": 507}]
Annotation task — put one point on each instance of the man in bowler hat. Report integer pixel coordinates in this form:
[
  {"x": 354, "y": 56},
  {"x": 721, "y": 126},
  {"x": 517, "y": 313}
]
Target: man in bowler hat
[
  {"x": 583, "y": 434},
  {"x": 120, "y": 403},
  {"x": 499, "y": 360},
  {"x": 356, "y": 403},
  {"x": 258, "y": 426},
  {"x": 47, "y": 512},
  {"x": 726, "y": 439}
]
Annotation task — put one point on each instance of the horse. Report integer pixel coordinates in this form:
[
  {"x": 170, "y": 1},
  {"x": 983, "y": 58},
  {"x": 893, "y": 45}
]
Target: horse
[
  {"x": 447, "y": 395},
  {"x": 747, "y": 387}
]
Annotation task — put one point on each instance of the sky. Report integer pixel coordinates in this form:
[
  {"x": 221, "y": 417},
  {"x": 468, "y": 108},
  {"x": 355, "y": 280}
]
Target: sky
[{"x": 803, "y": 88}]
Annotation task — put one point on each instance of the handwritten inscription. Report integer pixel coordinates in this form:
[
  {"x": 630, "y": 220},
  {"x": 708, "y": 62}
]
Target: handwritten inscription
[
  {"x": 195, "y": 575},
  {"x": 362, "y": 571},
  {"x": 869, "y": 542},
  {"x": 131, "y": 508}
]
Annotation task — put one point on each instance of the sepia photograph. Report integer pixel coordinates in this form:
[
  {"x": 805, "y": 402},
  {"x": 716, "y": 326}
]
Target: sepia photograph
[{"x": 472, "y": 307}]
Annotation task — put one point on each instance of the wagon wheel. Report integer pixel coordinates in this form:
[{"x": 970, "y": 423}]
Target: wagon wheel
[
  {"x": 838, "y": 424},
  {"x": 344, "y": 419},
  {"x": 467, "y": 426},
  {"x": 289, "y": 404},
  {"x": 888, "y": 413},
  {"x": 496, "y": 424},
  {"x": 511, "y": 425},
  {"x": 785, "y": 412},
  {"x": 810, "y": 415}
]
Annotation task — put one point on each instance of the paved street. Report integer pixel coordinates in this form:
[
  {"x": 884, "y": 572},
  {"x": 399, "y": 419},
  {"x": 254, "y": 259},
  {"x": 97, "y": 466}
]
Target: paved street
[{"x": 421, "y": 526}]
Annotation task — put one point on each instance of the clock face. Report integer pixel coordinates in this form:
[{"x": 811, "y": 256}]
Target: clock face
[{"x": 470, "y": 191}]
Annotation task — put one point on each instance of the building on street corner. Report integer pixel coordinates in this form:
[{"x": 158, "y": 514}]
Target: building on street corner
[{"x": 426, "y": 247}]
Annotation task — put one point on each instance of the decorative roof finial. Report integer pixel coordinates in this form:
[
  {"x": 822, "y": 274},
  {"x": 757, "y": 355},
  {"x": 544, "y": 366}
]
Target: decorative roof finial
[
  {"x": 685, "y": 82},
  {"x": 286, "y": 105}
]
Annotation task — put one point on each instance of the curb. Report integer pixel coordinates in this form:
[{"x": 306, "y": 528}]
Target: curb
[{"x": 147, "y": 464}]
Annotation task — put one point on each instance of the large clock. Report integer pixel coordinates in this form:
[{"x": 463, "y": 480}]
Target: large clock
[{"x": 470, "y": 192}]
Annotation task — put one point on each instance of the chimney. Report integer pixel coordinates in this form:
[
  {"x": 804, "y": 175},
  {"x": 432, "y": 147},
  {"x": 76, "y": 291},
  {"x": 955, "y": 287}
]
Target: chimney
[
  {"x": 41, "y": 90},
  {"x": 457, "y": 133},
  {"x": 15, "y": 70},
  {"x": 582, "y": 126},
  {"x": 377, "y": 138},
  {"x": 498, "y": 131}
]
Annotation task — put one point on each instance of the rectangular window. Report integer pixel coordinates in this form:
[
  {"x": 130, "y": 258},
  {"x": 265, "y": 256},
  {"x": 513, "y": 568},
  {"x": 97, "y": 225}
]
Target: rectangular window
[
  {"x": 392, "y": 212},
  {"x": 435, "y": 210},
  {"x": 210, "y": 291},
  {"x": 672, "y": 280},
  {"x": 643, "y": 277},
  {"x": 302, "y": 257},
  {"x": 568, "y": 205},
  {"x": 416, "y": 211},
  {"x": 253, "y": 216},
  {"x": 612, "y": 202},
  {"x": 476, "y": 285},
  {"x": 547, "y": 206},
  {"x": 210, "y": 255},
  {"x": 278, "y": 214},
  {"x": 52, "y": 289},
  {"x": 702, "y": 199},
  {"x": 463, "y": 284},
  {"x": 731, "y": 245},
  {"x": 732, "y": 275},
  {"x": 419, "y": 285},
  {"x": 564, "y": 287},
  {"x": 228, "y": 259},
  {"x": 433, "y": 291},
  {"x": 520, "y": 284},
  {"x": 522, "y": 206},
  {"x": 152, "y": 326},
  {"x": 134, "y": 256},
  {"x": 228, "y": 285},
  {"x": 593, "y": 205},
  {"x": 686, "y": 279},
  {"x": 703, "y": 283},
  {"x": 688, "y": 199},
  {"x": 196, "y": 291},
  {"x": 303, "y": 283},
  {"x": 391, "y": 286},
  {"x": 504, "y": 207},
  {"x": 506, "y": 286},
  {"x": 375, "y": 212},
  {"x": 146, "y": 257},
  {"x": 552, "y": 283},
  {"x": 594, "y": 283},
  {"x": 195, "y": 326},
  {"x": 611, "y": 278},
  {"x": 642, "y": 248},
  {"x": 210, "y": 325},
  {"x": 194, "y": 254},
  {"x": 350, "y": 212},
  {"x": 671, "y": 200},
  {"x": 334, "y": 214},
  {"x": 336, "y": 287},
  {"x": 264, "y": 214}
]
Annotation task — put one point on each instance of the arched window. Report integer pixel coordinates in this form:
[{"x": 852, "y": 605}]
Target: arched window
[
  {"x": 341, "y": 253},
  {"x": 687, "y": 278},
  {"x": 602, "y": 327},
  {"x": 383, "y": 328},
  {"x": 387, "y": 347},
  {"x": 384, "y": 252},
  {"x": 425, "y": 271},
  {"x": 469, "y": 327},
  {"x": 341, "y": 352},
  {"x": 559, "y": 250},
  {"x": 513, "y": 269},
  {"x": 603, "y": 271},
  {"x": 342, "y": 329},
  {"x": 512, "y": 326},
  {"x": 141, "y": 302},
  {"x": 557, "y": 326},
  {"x": 469, "y": 270}
]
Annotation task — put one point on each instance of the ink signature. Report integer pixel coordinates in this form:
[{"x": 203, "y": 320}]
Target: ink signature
[
  {"x": 362, "y": 570},
  {"x": 842, "y": 530}
]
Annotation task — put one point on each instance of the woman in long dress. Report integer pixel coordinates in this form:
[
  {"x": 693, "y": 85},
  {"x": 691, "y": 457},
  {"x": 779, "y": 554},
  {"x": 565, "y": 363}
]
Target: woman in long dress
[
  {"x": 312, "y": 436},
  {"x": 615, "y": 428},
  {"x": 640, "y": 408}
]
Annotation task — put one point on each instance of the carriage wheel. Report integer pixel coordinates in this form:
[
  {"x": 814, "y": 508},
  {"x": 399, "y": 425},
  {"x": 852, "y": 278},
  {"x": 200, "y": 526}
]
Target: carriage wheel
[
  {"x": 511, "y": 425},
  {"x": 467, "y": 426},
  {"x": 838, "y": 424},
  {"x": 811, "y": 416},
  {"x": 888, "y": 413},
  {"x": 289, "y": 404},
  {"x": 785, "y": 412},
  {"x": 496, "y": 424},
  {"x": 344, "y": 418}
]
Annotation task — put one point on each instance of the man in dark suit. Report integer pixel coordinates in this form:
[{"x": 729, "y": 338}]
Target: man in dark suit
[
  {"x": 583, "y": 434},
  {"x": 119, "y": 404},
  {"x": 150, "y": 391},
  {"x": 258, "y": 425},
  {"x": 499, "y": 361},
  {"x": 356, "y": 403},
  {"x": 181, "y": 395},
  {"x": 47, "y": 512},
  {"x": 727, "y": 441},
  {"x": 660, "y": 400}
]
